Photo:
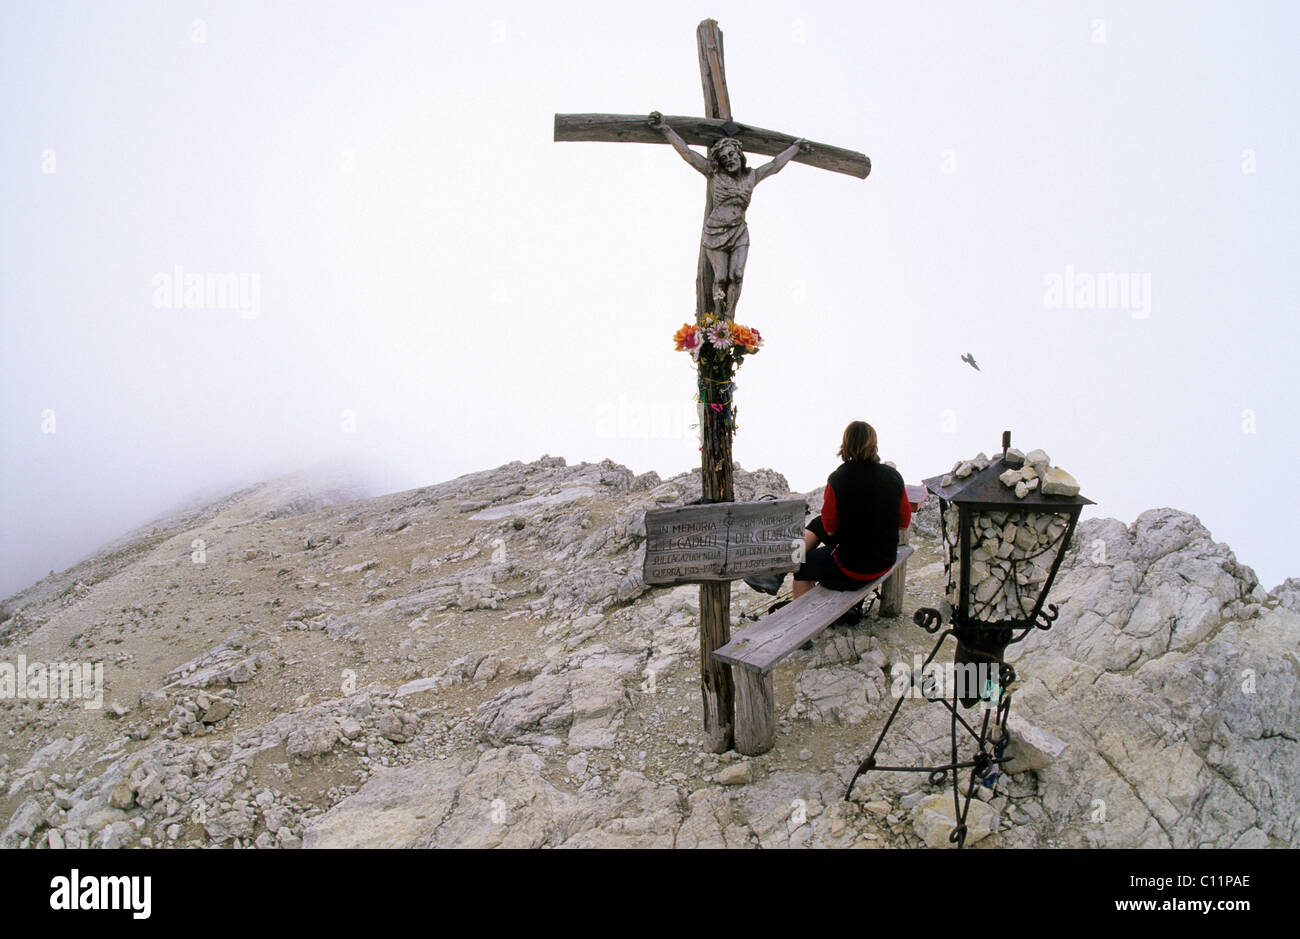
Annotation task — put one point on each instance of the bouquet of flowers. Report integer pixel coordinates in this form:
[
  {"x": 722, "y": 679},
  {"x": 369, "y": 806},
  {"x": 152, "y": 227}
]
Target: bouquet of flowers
[{"x": 718, "y": 346}]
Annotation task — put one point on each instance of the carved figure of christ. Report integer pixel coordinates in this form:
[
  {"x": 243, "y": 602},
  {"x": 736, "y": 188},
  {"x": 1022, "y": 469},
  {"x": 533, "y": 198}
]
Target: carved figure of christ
[{"x": 725, "y": 240}]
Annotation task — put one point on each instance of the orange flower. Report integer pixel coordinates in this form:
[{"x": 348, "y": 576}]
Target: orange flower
[
  {"x": 686, "y": 339},
  {"x": 747, "y": 337}
]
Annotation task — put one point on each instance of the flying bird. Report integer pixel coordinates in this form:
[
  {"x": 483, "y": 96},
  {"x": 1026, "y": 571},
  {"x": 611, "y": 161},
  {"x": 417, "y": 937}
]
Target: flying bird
[{"x": 970, "y": 360}]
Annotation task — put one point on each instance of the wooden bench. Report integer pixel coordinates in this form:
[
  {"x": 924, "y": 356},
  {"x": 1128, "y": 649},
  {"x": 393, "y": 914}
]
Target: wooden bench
[{"x": 754, "y": 651}]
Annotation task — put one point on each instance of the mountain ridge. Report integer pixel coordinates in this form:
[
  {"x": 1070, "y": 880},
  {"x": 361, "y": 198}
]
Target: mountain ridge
[{"x": 483, "y": 648}]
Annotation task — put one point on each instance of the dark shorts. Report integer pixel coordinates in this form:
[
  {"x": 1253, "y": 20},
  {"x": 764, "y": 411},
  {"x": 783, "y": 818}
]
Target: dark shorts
[{"x": 820, "y": 566}]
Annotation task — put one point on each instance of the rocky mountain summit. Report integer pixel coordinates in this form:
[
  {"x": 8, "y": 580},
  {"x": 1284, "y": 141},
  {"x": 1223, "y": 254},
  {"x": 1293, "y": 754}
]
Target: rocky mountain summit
[{"x": 478, "y": 664}]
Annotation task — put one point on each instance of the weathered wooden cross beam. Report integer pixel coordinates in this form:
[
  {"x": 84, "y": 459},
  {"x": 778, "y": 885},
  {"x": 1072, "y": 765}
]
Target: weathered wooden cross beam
[
  {"x": 715, "y": 459},
  {"x": 702, "y": 131}
]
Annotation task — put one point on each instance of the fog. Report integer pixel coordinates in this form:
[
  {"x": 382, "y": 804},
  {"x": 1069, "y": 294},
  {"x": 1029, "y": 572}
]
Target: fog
[{"x": 401, "y": 270}]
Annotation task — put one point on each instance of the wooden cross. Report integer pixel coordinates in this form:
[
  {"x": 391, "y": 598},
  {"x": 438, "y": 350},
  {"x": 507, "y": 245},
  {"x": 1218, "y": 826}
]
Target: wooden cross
[{"x": 715, "y": 598}]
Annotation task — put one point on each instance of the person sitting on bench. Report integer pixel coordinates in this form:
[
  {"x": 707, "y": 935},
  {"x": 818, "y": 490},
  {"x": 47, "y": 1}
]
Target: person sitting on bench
[{"x": 864, "y": 506}]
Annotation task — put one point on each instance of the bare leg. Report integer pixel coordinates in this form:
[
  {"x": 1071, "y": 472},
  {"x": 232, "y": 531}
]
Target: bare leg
[
  {"x": 736, "y": 277},
  {"x": 718, "y": 261},
  {"x": 810, "y": 541}
]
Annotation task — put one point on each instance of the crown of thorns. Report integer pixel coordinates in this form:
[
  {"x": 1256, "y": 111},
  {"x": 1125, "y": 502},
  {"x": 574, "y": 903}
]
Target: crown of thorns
[{"x": 723, "y": 142}]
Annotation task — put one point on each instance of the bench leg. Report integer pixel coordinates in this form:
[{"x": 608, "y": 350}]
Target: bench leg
[
  {"x": 755, "y": 711},
  {"x": 891, "y": 591}
]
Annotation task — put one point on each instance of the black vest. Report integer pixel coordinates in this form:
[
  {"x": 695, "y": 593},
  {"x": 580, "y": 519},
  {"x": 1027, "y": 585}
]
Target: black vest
[{"x": 867, "y": 500}]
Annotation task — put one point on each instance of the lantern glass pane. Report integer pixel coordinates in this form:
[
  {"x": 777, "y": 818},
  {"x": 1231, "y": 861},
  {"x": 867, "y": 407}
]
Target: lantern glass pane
[
  {"x": 948, "y": 526},
  {"x": 1011, "y": 558}
]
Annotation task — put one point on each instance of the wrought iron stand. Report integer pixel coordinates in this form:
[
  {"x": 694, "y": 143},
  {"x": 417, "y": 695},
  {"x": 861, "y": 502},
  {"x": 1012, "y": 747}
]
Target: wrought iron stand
[{"x": 976, "y": 646}]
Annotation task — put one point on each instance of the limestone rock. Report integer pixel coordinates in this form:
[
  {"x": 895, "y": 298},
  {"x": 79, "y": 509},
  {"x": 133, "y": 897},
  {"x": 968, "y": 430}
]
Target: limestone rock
[
  {"x": 586, "y": 703},
  {"x": 218, "y": 710},
  {"x": 839, "y": 694},
  {"x": 666, "y": 494},
  {"x": 1030, "y": 747},
  {"x": 737, "y": 774},
  {"x": 149, "y": 791},
  {"x": 1287, "y": 593},
  {"x": 122, "y": 796},
  {"x": 397, "y": 726},
  {"x": 23, "y": 824},
  {"x": 933, "y": 820},
  {"x": 394, "y": 809},
  {"x": 1058, "y": 482},
  {"x": 312, "y": 737},
  {"x": 632, "y": 585}
]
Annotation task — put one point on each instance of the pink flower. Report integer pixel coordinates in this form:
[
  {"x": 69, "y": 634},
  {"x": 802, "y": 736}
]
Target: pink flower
[{"x": 687, "y": 339}]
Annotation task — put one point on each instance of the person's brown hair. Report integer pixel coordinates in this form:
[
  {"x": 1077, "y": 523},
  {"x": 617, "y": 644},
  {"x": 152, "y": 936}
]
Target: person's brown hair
[{"x": 859, "y": 443}]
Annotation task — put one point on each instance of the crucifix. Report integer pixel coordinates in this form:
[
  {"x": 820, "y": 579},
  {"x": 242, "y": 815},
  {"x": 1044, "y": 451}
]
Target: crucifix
[{"x": 724, "y": 247}]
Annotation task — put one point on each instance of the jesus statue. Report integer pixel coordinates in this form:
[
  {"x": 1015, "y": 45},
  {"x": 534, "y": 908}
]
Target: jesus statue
[{"x": 731, "y": 185}]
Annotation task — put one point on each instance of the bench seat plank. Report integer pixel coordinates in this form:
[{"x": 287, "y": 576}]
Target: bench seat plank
[{"x": 773, "y": 638}]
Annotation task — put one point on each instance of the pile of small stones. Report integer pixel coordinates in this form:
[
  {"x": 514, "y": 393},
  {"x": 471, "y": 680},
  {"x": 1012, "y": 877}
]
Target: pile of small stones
[
  {"x": 963, "y": 469},
  {"x": 1024, "y": 472}
]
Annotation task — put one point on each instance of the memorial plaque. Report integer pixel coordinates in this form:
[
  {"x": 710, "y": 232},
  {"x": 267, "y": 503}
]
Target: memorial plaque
[{"x": 723, "y": 541}]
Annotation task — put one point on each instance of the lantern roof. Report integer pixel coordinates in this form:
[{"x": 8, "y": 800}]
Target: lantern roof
[{"x": 983, "y": 489}]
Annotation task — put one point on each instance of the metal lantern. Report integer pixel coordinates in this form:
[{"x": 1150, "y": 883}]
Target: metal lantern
[
  {"x": 1002, "y": 551},
  {"x": 1004, "y": 539}
]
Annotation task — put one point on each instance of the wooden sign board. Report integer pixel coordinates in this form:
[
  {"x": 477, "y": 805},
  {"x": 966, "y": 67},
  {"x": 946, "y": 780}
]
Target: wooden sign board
[{"x": 723, "y": 541}]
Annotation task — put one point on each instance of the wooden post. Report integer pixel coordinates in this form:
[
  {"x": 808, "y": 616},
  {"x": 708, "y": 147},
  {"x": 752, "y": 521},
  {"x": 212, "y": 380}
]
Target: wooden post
[
  {"x": 715, "y": 461},
  {"x": 755, "y": 711},
  {"x": 891, "y": 595},
  {"x": 717, "y": 105}
]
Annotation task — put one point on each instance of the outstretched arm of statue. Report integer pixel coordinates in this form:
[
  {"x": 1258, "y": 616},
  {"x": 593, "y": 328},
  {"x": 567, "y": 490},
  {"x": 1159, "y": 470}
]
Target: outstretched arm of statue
[
  {"x": 778, "y": 162},
  {"x": 690, "y": 156}
]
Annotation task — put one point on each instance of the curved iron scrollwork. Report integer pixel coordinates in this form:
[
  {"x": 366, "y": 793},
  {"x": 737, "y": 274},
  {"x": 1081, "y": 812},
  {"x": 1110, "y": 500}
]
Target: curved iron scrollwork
[
  {"x": 1046, "y": 619},
  {"x": 928, "y": 619}
]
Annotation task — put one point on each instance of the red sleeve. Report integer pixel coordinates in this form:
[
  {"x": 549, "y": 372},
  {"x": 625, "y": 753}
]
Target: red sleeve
[
  {"x": 904, "y": 511},
  {"x": 830, "y": 514}
]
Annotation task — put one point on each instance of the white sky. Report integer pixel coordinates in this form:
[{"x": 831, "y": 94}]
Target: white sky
[{"x": 475, "y": 293}]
